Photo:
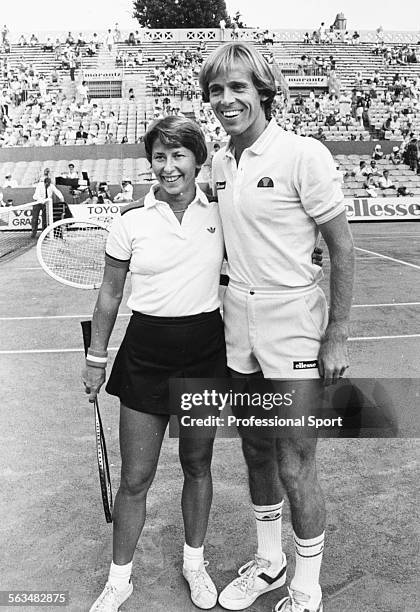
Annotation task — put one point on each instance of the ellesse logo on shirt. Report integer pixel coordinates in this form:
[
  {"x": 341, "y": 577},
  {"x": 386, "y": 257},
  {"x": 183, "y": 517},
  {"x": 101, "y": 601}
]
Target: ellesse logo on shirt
[
  {"x": 266, "y": 181},
  {"x": 305, "y": 365},
  {"x": 220, "y": 184}
]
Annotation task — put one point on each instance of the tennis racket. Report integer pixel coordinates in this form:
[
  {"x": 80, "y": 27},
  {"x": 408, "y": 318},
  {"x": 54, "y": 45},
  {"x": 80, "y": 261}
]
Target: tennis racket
[
  {"x": 73, "y": 252},
  {"x": 101, "y": 454}
]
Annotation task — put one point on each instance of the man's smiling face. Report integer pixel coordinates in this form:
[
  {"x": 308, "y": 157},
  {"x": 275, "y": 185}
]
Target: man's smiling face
[{"x": 237, "y": 103}]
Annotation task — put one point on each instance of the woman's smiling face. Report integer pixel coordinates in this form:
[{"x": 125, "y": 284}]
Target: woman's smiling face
[{"x": 175, "y": 168}]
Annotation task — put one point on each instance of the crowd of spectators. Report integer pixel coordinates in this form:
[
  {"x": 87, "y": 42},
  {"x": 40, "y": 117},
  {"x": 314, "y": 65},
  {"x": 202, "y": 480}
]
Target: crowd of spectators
[
  {"x": 331, "y": 35},
  {"x": 398, "y": 54},
  {"x": 54, "y": 120},
  {"x": 316, "y": 65},
  {"x": 178, "y": 74}
]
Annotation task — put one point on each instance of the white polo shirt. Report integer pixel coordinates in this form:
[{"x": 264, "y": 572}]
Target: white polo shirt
[
  {"x": 270, "y": 205},
  {"x": 175, "y": 267}
]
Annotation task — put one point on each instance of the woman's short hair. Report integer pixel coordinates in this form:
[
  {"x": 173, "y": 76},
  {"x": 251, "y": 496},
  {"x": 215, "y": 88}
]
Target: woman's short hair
[
  {"x": 175, "y": 131},
  {"x": 225, "y": 57}
]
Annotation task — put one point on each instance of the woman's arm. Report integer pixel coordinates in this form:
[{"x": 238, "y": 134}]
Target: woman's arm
[{"x": 104, "y": 315}]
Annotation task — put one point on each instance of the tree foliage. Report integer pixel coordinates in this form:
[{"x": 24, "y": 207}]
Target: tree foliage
[{"x": 170, "y": 14}]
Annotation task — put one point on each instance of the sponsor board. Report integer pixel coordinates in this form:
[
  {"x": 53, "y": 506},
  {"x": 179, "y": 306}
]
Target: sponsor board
[
  {"x": 20, "y": 219},
  {"x": 100, "y": 213},
  {"x": 383, "y": 209},
  {"x": 306, "y": 81},
  {"x": 357, "y": 209}
]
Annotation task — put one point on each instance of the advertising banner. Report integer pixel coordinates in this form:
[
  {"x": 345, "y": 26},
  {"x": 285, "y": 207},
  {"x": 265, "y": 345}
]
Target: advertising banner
[{"x": 383, "y": 209}]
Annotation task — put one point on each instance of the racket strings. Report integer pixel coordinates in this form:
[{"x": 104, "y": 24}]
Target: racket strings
[{"x": 75, "y": 253}]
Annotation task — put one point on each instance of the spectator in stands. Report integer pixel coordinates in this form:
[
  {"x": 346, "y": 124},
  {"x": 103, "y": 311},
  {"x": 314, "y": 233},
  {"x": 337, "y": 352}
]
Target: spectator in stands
[
  {"x": 48, "y": 45},
  {"x": 131, "y": 39},
  {"x": 72, "y": 172},
  {"x": 402, "y": 192},
  {"x": 4, "y": 34},
  {"x": 370, "y": 186},
  {"x": 322, "y": 33},
  {"x": 103, "y": 191},
  {"x": 2, "y": 202},
  {"x": 355, "y": 38},
  {"x": 395, "y": 156},
  {"x": 377, "y": 152},
  {"x": 366, "y": 119},
  {"x": 22, "y": 42},
  {"x": 10, "y": 182},
  {"x": 126, "y": 193},
  {"x": 69, "y": 39},
  {"x": 33, "y": 40},
  {"x": 222, "y": 26},
  {"x": 81, "y": 134},
  {"x": 83, "y": 92},
  {"x": 384, "y": 182},
  {"x": 412, "y": 155},
  {"x": 80, "y": 41},
  {"x": 117, "y": 33},
  {"x": 109, "y": 40},
  {"x": 373, "y": 169},
  {"x": 320, "y": 135},
  {"x": 110, "y": 138}
]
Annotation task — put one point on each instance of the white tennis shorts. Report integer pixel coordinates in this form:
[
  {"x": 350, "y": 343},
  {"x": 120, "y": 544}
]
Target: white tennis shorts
[{"x": 274, "y": 330}]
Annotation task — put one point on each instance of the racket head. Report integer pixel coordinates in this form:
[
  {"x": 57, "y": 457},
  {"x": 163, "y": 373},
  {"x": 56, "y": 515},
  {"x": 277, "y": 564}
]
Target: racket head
[
  {"x": 103, "y": 465},
  {"x": 72, "y": 252}
]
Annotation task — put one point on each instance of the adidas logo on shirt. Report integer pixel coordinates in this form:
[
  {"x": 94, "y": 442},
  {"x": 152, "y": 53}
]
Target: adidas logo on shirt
[{"x": 211, "y": 229}]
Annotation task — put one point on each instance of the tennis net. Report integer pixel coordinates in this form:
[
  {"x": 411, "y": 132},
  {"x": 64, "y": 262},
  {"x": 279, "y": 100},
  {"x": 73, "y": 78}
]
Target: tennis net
[{"x": 15, "y": 229}]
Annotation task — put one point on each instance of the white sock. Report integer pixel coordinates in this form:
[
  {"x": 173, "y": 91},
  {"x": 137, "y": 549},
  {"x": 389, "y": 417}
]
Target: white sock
[
  {"x": 119, "y": 575},
  {"x": 268, "y": 520},
  {"x": 308, "y": 566},
  {"x": 193, "y": 557}
]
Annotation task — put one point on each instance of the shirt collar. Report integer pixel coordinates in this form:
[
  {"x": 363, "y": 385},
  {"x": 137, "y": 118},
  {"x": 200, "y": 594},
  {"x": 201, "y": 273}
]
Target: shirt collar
[
  {"x": 259, "y": 146},
  {"x": 150, "y": 199}
]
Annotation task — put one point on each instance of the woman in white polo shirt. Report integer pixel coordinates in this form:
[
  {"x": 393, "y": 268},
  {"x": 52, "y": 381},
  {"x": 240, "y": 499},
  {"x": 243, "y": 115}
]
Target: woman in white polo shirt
[{"x": 172, "y": 243}]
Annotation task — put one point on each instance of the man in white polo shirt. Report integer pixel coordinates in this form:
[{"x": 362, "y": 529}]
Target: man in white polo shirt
[{"x": 276, "y": 192}]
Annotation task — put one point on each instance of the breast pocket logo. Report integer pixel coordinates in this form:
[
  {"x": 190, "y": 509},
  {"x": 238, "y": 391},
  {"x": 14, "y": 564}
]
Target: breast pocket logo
[
  {"x": 266, "y": 181},
  {"x": 221, "y": 185}
]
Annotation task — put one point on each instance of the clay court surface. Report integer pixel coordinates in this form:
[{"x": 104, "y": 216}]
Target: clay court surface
[{"x": 53, "y": 535}]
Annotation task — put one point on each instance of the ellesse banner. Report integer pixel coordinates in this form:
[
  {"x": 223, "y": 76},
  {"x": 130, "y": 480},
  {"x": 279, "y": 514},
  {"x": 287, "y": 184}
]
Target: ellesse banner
[{"x": 383, "y": 209}]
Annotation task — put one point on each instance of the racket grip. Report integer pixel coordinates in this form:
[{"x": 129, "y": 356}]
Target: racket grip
[{"x": 87, "y": 334}]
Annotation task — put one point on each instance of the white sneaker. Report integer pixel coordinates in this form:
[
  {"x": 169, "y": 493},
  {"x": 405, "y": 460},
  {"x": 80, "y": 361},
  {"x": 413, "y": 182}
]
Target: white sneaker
[
  {"x": 203, "y": 589},
  {"x": 252, "y": 582},
  {"x": 111, "y": 598},
  {"x": 296, "y": 602}
]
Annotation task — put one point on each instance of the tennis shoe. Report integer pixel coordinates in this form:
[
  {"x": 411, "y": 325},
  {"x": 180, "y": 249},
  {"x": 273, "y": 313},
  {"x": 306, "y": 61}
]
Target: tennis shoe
[
  {"x": 252, "y": 582},
  {"x": 202, "y": 587},
  {"x": 296, "y": 602},
  {"x": 111, "y": 598}
]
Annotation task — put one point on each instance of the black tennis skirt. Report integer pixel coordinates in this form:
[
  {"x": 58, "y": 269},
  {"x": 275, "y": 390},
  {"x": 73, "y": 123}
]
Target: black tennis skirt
[{"x": 156, "y": 349}]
